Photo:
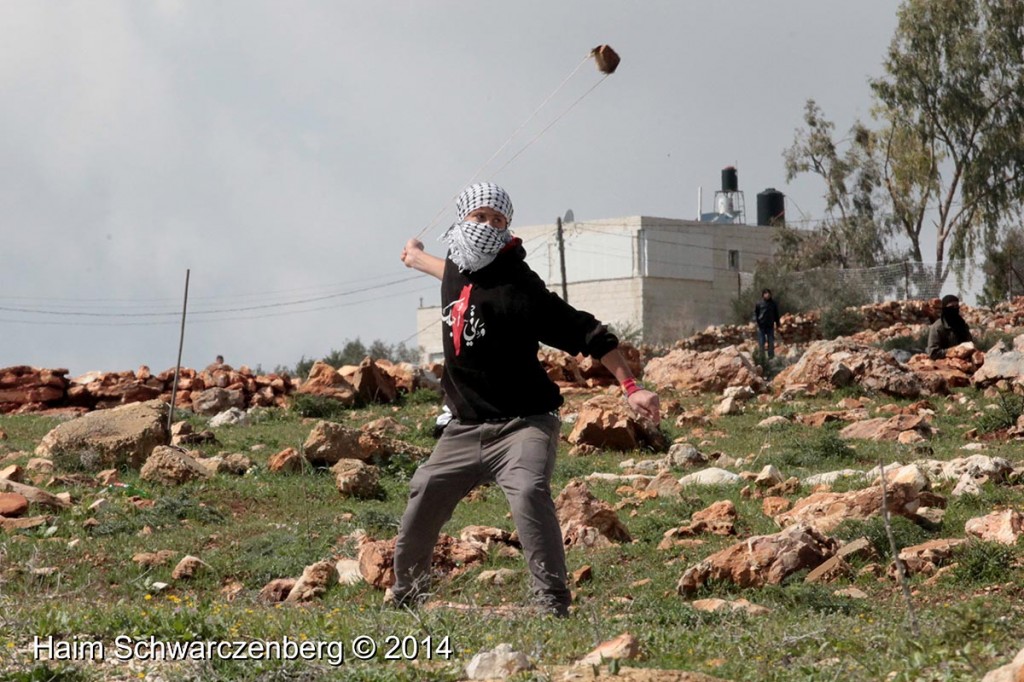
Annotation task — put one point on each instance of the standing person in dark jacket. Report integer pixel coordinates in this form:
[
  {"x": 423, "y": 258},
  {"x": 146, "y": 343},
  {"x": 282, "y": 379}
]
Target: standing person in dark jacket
[
  {"x": 495, "y": 313},
  {"x": 766, "y": 315},
  {"x": 947, "y": 331}
]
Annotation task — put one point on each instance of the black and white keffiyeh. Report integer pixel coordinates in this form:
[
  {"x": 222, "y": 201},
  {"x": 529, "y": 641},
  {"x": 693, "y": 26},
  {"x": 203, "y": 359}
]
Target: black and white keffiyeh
[
  {"x": 473, "y": 246},
  {"x": 484, "y": 194}
]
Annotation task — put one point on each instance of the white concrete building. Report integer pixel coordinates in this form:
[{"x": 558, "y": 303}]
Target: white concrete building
[{"x": 659, "y": 279}]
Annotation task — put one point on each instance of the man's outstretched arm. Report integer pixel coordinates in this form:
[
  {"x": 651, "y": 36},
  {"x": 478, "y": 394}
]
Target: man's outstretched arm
[{"x": 416, "y": 258}]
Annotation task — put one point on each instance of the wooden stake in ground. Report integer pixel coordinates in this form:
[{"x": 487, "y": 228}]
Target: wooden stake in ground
[
  {"x": 177, "y": 366},
  {"x": 900, "y": 569}
]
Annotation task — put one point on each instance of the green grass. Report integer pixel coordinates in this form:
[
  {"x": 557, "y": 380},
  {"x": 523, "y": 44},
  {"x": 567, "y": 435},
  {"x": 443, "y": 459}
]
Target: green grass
[
  {"x": 825, "y": 449},
  {"x": 1008, "y": 408},
  {"x": 913, "y": 343},
  {"x": 982, "y": 563},
  {"x": 904, "y": 531},
  {"x": 261, "y": 526},
  {"x": 318, "y": 407}
]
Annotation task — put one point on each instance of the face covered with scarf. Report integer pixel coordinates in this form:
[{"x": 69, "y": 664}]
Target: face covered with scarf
[
  {"x": 474, "y": 245},
  {"x": 951, "y": 316}
]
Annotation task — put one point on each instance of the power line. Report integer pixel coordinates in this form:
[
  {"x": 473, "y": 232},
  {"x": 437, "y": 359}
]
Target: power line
[
  {"x": 222, "y": 319},
  {"x": 596, "y": 229},
  {"x": 347, "y": 304},
  {"x": 91, "y": 311},
  {"x": 436, "y": 321},
  {"x": 145, "y": 301},
  {"x": 75, "y": 313},
  {"x": 657, "y": 261},
  {"x": 725, "y": 250},
  {"x": 207, "y": 320}
]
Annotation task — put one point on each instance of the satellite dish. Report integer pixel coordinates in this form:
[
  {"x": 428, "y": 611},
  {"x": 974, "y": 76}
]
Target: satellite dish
[{"x": 569, "y": 217}]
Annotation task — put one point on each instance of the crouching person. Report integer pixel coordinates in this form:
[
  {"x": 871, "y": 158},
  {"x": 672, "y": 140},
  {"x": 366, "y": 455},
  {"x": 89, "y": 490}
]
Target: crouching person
[{"x": 949, "y": 330}]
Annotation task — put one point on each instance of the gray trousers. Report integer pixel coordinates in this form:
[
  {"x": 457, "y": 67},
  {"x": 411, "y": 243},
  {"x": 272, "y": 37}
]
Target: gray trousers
[{"x": 519, "y": 455}]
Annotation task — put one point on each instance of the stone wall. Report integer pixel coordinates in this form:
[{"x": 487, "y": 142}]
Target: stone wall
[
  {"x": 904, "y": 316},
  {"x": 29, "y": 389}
]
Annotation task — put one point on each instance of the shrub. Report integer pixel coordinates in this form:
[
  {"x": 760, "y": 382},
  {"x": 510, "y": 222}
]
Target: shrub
[
  {"x": 839, "y": 320},
  {"x": 42, "y": 672},
  {"x": 986, "y": 339},
  {"x": 794, "y": 594},
  {"x": 827, "y": 448},
  {"x": 912, "y": 344},
  {"x": 168, "y": 511},
  {"x": 983, "y": 563},
  {"x": 421, "y": 396},
  {"x": 905, "y": 532},
  {"x": 783, "y": 410},
  {"x": 965, "y": 507},
  {"x": 399, "y": 465},
  {"x": 770, "y": 367},
  {"x": 317, "y": 407},
  {"x": 761, "y": 359},
  {"x": 266, "y": 415},
  {"x": 378, "y": 523},
  {"x": 1010, "y": 407},
  {"x": 628, "y": 332}
]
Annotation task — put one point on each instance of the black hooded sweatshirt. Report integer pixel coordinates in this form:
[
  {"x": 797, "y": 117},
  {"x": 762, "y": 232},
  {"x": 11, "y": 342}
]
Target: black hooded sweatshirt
[{"x": 493, "y": 322}]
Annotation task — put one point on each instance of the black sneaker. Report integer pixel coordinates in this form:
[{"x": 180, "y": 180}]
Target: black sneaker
[
  {"x": 406, "y": 601},
  {"x": 551, "y": 608}
]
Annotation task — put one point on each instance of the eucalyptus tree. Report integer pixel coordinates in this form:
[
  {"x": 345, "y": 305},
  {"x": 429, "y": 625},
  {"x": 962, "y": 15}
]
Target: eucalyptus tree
[
  {"x": 944, "y": 168},
  {"x": 951, "y": 103}
]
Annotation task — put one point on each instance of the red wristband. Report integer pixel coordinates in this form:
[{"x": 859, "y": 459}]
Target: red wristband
[{"x": 630, "y": 387}]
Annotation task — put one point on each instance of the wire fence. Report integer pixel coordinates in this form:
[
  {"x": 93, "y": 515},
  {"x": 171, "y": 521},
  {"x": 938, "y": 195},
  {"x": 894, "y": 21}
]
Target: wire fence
[{"x": 898, "y": 281}]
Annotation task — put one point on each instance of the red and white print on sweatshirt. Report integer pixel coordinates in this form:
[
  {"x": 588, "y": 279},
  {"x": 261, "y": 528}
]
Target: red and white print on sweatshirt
[{"x": 462, "y": 320}]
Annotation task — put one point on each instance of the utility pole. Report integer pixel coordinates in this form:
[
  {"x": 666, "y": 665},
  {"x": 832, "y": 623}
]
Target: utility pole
[
  {"x": 561, "y": 259},
  {"x": 177, "y": 367}
]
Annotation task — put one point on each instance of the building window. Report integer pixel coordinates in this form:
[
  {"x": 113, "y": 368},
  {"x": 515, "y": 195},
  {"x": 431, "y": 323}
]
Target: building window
[{"x": 734, "y": 260}]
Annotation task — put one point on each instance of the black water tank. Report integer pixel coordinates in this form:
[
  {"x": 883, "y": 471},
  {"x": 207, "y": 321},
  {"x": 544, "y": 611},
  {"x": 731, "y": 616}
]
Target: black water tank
[
  {"x": 730, "y": 183},
  {"x": 771, "y": 207}
]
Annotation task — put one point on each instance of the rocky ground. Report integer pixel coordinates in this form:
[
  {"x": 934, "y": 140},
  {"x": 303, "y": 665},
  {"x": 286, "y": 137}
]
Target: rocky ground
[{"x": 750, "y": 537}]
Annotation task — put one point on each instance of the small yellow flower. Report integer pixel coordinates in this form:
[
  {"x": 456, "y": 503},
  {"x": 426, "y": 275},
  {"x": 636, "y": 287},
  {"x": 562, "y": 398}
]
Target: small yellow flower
[{"x": 148, "y": 597}]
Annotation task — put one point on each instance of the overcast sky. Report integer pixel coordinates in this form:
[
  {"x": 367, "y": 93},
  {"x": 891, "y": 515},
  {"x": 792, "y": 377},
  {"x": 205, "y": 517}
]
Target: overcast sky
[{"x": 284, "y": 152}]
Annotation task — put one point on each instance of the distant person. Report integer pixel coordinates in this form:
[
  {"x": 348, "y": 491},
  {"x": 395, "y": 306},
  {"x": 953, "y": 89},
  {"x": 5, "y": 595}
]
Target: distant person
[
  {"x": 766, "y": 316},
  {"x": 218, "y": 363},
  {"x": 947, "y": 331}
]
